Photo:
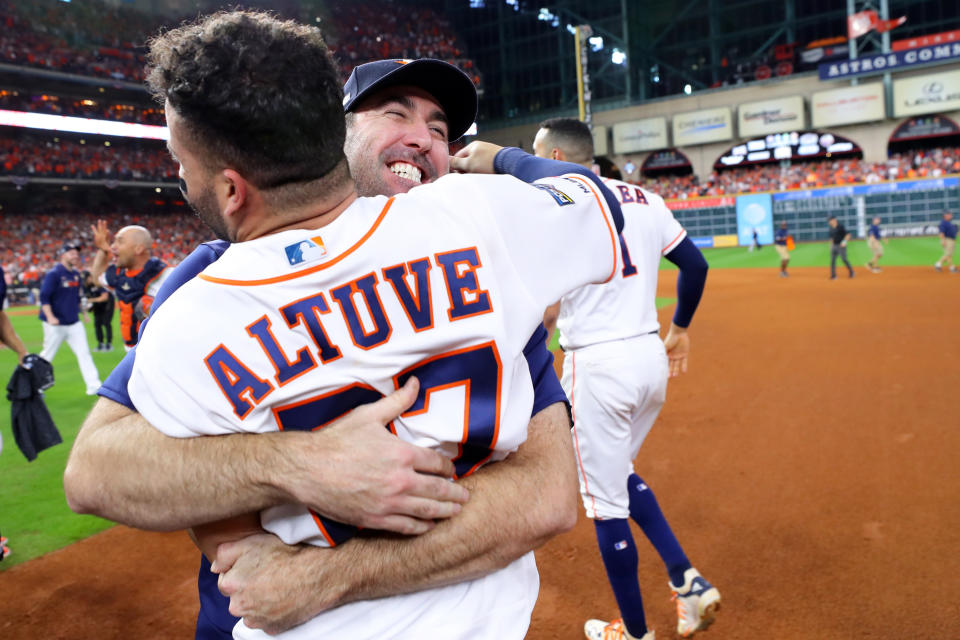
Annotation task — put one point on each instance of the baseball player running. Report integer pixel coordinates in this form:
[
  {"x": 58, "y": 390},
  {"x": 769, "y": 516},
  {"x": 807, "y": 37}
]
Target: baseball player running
[
  {"x": 780, "y": 244},
  {"x": 615, "y": 374},
  {"x": 339, "y": 330},
  {"x": 948, "y": 240},
  {"x": 135, "y": 276},
  {"x": 875, "y": 241}
]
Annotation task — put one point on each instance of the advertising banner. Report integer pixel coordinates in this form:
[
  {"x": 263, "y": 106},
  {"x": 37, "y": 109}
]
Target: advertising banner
[
  {"x": 932, "y": 93},
  {"x": 869, "y": 189},
  {"x": 863, "y": 103},
  {"x": 927, "y": 127},
  {"x": 701, "y": 203},
  {"x": 755, "y": 213},
  {"x": 893, "y": 61},
  {"x": 640, "y": 135},
  {"x": 771, "y": 116},
  {"x": 701, "y": 127}
]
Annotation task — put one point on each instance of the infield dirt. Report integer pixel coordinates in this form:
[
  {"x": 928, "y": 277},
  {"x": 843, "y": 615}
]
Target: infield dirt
[{"x": 807, "y": 463}]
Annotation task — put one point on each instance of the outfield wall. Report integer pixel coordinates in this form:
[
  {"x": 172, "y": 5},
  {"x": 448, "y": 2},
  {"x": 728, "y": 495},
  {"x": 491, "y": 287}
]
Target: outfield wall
[{"x": 905, "y": 207}]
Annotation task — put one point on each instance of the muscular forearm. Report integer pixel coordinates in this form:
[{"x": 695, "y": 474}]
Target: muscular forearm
[
  {"x": 352, "y": 471},
  {"x": 123, "y": 469}
]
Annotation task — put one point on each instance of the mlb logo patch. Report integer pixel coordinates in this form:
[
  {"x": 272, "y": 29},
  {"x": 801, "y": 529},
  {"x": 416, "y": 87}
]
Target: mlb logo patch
[
  {"x": 620, "y": 546},
  {"x": 561, "y": 198},
  {"x": 306, "y": 250}
]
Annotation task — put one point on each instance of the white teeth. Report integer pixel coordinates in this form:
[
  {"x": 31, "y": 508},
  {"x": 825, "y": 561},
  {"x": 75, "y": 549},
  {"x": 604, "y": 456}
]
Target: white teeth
[{"x": 407, "y": 171}]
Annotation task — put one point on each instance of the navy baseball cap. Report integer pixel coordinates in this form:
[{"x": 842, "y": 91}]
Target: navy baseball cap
[
  {"x": 452, "y": 88},
  {"x": 68, "y": 246}
]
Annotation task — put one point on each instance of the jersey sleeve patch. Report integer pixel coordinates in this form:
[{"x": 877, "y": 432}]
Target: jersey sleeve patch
[{"x": 560, "y": 197}]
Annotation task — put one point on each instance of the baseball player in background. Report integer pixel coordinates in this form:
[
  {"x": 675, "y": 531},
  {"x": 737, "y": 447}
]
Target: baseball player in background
[
  {"x": 134, "y": 277},
  {"x": 839, "y": 237},
  {"x": 60, "y": 314},
  {"x": 382, "y": 145},
  {"x": 355, "y": 309},
  {"x": 615, "y": 373},
  {"x": 875, "y": 242},
  {"x": 780, "y": 244},
  {"x": 948, "y": 240}
]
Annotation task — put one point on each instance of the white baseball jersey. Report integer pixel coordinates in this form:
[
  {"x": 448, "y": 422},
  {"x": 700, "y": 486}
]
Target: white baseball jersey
[
  {"x": 615, "y": 371},
  {"x": 446, "y": 283},
  {"x": 625, "y": 306}
]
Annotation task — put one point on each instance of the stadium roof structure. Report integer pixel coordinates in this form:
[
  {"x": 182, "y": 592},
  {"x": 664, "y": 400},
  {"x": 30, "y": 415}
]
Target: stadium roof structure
[{"x": 650, "y": 48}]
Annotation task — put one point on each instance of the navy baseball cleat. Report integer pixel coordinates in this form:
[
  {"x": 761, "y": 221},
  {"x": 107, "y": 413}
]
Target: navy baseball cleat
[{"x": 697, "y": 603}]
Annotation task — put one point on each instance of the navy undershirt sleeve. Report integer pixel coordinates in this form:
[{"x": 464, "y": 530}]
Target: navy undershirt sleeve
[
  {"x": 546, "y": 386},
  {"x": 115, "y": 387},
  {"x": 528, "y": 168},
  {"x": 693, "y": 276}
]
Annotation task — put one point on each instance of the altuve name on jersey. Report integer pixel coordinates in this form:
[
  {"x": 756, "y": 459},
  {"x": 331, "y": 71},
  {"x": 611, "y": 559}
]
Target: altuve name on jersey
[{"x": 244, "y": 388}]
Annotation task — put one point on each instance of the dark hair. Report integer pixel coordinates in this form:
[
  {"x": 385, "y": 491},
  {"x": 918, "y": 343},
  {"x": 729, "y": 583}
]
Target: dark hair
[
  {"x": 255, "y": 93},
  {"x": 831, "y": 218},
  {"x": 570, "y": 135}
]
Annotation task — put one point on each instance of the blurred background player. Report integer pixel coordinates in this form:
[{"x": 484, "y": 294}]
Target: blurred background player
[
  {"x": 839, "y": 237},
  {"x": 134, "y": 277},
  {"x": 780, "y": 244},
  {"x": 948, "y": 240},
  {"x": 60, "y": 313},
  {"x": 100, "y": 302},
  {"x": 875, "y": 242},
  {"x": 615, "y": 374}
]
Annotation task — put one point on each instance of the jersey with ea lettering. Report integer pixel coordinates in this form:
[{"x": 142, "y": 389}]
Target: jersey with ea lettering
[
  {"x": 625, "y": 306},
  {"x": 135, "y": 288},
  {"x": 445, "y": 283}
]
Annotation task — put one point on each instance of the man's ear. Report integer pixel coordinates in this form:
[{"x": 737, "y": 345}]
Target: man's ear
[
  {"x": 558, "y": 154},
  {"x": 232, "y": 192}
]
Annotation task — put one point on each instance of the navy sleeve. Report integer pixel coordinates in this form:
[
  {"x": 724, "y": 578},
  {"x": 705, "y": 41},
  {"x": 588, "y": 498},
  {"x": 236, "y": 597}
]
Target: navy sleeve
[
  {"x": 528, "y": 168},
  {"x": 693, "y": 276},
  {"x": 115, "y": 387},
  {"x": 546, "y": 386},
  {"x": 48, "y": 287},
  {"x": 3, "y": 288}
]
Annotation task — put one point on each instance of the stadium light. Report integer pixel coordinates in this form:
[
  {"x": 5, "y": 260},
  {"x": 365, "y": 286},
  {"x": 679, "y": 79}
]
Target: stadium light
[
  {"x": 596, "y": 43},
  {"x": 618, "y": 57},
  {"x": 572, "y": 30},
  {"x": 49, "y": 122},
  {"x": 687, "y": 89}
]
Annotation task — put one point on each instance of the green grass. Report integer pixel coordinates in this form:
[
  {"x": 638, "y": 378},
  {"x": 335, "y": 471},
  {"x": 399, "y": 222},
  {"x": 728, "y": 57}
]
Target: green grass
[
  {"x": 33, "y": 511},
  {"x": 899, "y": 252}
]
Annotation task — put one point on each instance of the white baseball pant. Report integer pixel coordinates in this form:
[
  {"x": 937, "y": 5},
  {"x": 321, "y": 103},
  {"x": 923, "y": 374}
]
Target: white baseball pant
[
  {"x": 616, "y": 390},
  {"x": 76, "y": 337}
]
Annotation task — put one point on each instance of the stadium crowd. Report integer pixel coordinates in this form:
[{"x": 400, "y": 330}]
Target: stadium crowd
[
  {"x": 375, "y": 30},
  {"x": 931, "y": 163},
  {"x": 81, "y": 107},
  {"x": 101, "y": 40},
  {"x": 29, "y": 241},
  {"x": 42, "y": 155}
]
